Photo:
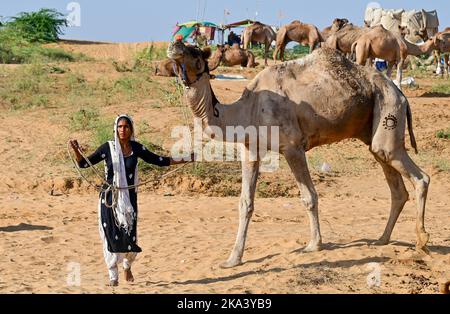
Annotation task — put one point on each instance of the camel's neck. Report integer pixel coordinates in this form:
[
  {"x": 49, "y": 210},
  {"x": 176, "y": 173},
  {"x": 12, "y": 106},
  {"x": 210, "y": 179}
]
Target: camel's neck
[
  {"x": 416, "y": 50},
  {"x": 214, "y": 61},
  {"x": 205, "y": 106}
]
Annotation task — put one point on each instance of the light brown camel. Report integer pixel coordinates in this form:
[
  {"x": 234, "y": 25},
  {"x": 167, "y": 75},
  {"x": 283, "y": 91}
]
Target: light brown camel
[
  {"x": 389, "y": 46},
  {"x": 226, "y": 55},
  {"x": 165, "y": 68},
  {"x": 231, "y": 56},
  {"x": 343, "y": 39},
  {"x": 335, "y": 26},
  {"x": 304, "y": 34},
  {"x": 260, "y": 33},
  {"x": 320, "y": 99},
  {"x": 443, "y": 39}
]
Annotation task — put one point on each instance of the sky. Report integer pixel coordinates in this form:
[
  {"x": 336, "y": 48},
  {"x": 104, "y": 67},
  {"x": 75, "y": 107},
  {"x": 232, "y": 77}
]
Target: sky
[{"x": 150, "y": 20}]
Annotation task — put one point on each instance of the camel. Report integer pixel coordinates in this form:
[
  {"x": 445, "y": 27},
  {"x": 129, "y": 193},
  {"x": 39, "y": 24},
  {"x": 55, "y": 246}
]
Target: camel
[
  {"x": 226, "y": 55},
  {"x": 320, "y": 99},
  {"x": 165, "y": 68},
  {"x": 260, "y": 33},
  {"x": 304, "y": 34},
  {"x": 336, "y": 26},
  {"x": 392, "y": 47},
  {"x": 343, "y": 39},
  {"x": 231, "y": 56},
  {"x": 443, "y": 39}
]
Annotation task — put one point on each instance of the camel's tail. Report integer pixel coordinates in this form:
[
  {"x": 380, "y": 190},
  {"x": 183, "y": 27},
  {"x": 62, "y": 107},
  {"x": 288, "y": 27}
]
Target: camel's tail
[{"x": 410, "y": 127}]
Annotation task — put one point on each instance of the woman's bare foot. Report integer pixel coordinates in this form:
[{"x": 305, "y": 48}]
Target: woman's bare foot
[
  {"x": 128, "y": 275},
  {"x": 113, "y": 283}
]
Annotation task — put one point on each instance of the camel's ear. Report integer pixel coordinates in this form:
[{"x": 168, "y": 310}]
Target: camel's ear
[{"x": 436, "y": 40}]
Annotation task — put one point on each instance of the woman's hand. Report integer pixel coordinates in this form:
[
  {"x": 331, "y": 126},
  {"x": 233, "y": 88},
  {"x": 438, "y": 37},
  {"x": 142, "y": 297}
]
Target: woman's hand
[
  {"x": 76, "y": 148},
  {"x": 74, "y": 144}
]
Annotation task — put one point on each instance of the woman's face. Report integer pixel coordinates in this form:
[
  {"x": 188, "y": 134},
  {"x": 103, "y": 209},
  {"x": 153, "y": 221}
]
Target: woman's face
[{"x": 124, "y": 130}]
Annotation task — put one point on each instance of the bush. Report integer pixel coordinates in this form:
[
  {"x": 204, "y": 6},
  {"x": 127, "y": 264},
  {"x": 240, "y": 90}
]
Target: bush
[
  {"x": 145, "y": 57},
  {"x": 444, "y": 134},
  {"x": 84, "y": 119},
  {"x": 41, "y": 26},
  {"x": 21, "y": 39},
  {"x": 443, "y": 88}
]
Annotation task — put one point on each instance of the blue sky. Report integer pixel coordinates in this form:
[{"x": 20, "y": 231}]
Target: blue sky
[{"x": 140, "y": 20}]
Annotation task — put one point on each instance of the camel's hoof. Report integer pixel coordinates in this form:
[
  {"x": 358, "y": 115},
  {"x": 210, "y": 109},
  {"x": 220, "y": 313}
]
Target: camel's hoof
[
  {"x": 312, "y": 248},
  {"x": 422, "y": 250},
  {"x": 230, "y": 264},
  {"x": 422, "y": 240}
]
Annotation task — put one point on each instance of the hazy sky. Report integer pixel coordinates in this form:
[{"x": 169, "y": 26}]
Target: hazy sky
[{"x": 140, "y": 20}]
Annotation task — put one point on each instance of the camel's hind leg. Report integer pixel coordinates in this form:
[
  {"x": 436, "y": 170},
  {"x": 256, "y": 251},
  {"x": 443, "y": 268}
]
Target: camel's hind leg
[
  {"x": 297, "y": 162},
  {"x": 399, "y": 160},
  {"x": 250, "y": 171},
  {"x": 399, "y": 196},
  {"x": 404, "y": 164}
]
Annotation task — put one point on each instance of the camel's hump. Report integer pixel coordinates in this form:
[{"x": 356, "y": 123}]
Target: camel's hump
[{"x": 324, "y": 61}]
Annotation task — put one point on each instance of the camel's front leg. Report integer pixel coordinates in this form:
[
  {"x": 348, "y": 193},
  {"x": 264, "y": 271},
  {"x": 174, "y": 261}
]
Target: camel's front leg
[
  {"x": 446, "y": 59},
  {"x": 296, "y": 159},
  {"x": 266, "y": 53},
  {"x": 399, "y": 74},
  {"x": 250, "y": 171}
]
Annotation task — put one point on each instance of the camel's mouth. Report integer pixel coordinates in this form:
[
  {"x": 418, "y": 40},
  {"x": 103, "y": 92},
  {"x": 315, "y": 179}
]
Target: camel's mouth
[{"x": 175, "y": 51}]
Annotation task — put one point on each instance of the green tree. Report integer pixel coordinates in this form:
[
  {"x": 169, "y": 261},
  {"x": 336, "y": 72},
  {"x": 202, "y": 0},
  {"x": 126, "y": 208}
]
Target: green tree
[{"x": 44, "y": 25}]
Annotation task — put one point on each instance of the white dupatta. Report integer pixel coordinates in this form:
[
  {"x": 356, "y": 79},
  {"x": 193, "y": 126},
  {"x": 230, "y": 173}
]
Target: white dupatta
[{"x": 123, "y": 211}]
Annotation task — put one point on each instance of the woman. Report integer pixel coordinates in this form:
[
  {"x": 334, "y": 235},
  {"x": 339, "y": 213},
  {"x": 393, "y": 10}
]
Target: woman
[{"x": 118, "y": 221}]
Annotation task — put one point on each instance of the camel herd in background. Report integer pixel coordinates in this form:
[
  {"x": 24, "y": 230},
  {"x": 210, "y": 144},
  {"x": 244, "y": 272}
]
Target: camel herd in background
[{"x": 361, "y": 44}]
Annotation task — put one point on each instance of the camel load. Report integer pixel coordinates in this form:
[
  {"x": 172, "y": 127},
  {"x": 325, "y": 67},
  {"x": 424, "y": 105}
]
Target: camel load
[{"x": 419, "y": 24}]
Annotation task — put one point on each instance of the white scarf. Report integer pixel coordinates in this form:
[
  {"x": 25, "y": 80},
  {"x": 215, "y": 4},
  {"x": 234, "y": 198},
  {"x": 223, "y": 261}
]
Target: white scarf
[{"x": 124, "y": 211}]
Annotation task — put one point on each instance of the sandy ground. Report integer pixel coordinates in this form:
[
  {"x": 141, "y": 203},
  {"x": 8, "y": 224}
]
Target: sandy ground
[{"x": 49, "y": 240}]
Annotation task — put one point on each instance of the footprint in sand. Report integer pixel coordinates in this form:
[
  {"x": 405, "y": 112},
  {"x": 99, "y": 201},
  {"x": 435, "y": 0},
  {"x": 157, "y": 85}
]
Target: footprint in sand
[{"x": 50, "y": 239}]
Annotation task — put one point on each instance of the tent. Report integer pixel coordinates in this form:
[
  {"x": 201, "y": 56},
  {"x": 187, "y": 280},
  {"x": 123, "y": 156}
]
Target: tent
[
  {"x": 414, "y": 20},
  {"x": 421, "y": 20},
  {"x": 240, "y": 24},
  {"x": 189, "y": 28}
]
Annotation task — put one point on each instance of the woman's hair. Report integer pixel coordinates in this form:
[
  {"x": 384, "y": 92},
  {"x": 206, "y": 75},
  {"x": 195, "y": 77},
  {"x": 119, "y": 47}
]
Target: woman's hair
[{"x": 128, "y": 121}]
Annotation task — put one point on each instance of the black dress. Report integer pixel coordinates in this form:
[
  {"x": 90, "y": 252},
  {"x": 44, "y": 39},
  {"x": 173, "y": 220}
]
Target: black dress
[{"x": 118, "y": 239}]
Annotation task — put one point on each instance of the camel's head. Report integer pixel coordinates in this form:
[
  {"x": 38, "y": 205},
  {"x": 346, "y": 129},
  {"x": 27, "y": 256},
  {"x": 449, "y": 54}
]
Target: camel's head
[
  {"x": 338, "y": 24},
  {"x": 191, "y": 62},
  {"x": 404, "y": 31},
  {"x": 422, "y": 33},
  {"x": 441, "y": 41}
]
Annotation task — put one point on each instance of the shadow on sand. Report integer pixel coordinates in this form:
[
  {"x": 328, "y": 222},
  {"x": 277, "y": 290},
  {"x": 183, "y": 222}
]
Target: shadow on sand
[
  {"x": 322, "y": 264},
  {"x": 24, "y": 227}
]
